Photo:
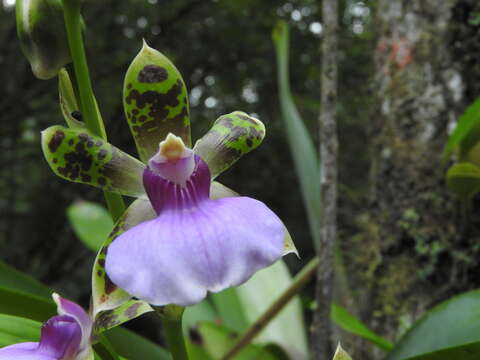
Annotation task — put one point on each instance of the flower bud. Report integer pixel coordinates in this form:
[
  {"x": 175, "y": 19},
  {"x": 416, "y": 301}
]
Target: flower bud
[{"x": 42, "y": 34}]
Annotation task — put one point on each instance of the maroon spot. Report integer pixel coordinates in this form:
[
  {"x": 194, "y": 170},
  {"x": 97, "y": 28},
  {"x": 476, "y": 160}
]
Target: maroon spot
[
  {"x": 129, "y": 86},
  {"x": 102, "y": 154},
  {"x": 86, "y": 177},
  {"x": 255, "y": 133},
  {"x": 159, "y": 103},
  {"x": 102, "y": 181},
  {"x": 142, "y": 118},
  {"x": 99, "y": 272},
  {"x": 152, "y": 74},
  {"x": 83, "y": 137},
  {"x": 70, "y": 142},
  {"x": 227, "y": 122},
  {"x": 101, "y": 262},
  {"x": 249, "y": 142},
  {"x": 131, "y": 312},
  {"x": 109, "y": 285},
  {"x": 89, "y": 143},
  {"x": 76, "y": 161},
  {"x": 55, "y": 161},
  {"x": 135, "y": 112},
  {"x": 56, "y": 140},
  {"x": 247, "y": 118}
]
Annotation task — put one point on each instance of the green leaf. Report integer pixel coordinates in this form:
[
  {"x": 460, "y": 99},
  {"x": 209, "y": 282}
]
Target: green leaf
[
  {"x": 135, "y": 347},
  {"x": 231, "y": 309},
  {"x": 463, "y": 352},
  {"x": 216, "y": 340},
  {"x": 464, "y": 179},
  {"x": 467, "y": 131},
  {"x": 68, "y": 102},
  {"x": 15, "y": 329},
  {"x": 25, "y": 305},
  {"x": 301, "y": 145},
  {"x": 106, "y": 296},
  {"x": 155, "y": 100},
  {"x": 78, "y": 156},
  {"x": 351, "y": 324},
  {"x": 230, "y": 137},
  {"x": 450, "y": 324},
  {"x": 203, "y": 311},
  {"x": 91, "y": 222},
  {"x": 13, "y": 279},
  {"x": 244, "y": 304}
]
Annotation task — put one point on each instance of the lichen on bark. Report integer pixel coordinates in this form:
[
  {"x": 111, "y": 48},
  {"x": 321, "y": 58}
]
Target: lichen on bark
[{"x": 411, "y": 249}]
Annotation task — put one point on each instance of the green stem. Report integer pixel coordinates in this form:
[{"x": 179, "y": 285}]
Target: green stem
[
  {"x": 298, "y": 282},
  {"x": 172, "y": 326},
  {"x": 77, "y": 50},
  {"x": 86, "y": 99}
]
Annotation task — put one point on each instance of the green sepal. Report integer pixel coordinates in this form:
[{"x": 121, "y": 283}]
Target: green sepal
[
  {"x": 218, "y": 191},
  {"x": 76, "y": 155},
  {"x": 42, "y": 34},
  {"x": 341, "y": 354},
  {"x": 155, "y": 101},
  {"x": 110, "y": 318},
  {"x": 106, "y": 295},
  {"x": 464, "y": 179},
  {"x": 230, "y": 137},
  {"x": 68, "y": 102}
]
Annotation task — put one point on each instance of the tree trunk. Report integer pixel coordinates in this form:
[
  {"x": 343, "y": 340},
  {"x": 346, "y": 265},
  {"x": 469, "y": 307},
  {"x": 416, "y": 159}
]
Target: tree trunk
[
  {"x": 411, "y": 251},
  {"x": 321, "y": 327}
]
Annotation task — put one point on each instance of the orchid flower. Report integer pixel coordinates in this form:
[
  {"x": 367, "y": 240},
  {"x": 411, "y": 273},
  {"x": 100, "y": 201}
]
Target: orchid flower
[
  {"x": 64, "y": 337},
  {"x": 185, "y": 234}
]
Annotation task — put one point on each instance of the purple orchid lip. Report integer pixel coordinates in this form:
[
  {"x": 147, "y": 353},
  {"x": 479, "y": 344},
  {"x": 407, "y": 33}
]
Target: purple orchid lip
[
  {"x": 64, "y": 337},
  {"x": 60, "y": 340},
  {"x": 165, "y": 194},
  {"x": 195, "y": 244}
]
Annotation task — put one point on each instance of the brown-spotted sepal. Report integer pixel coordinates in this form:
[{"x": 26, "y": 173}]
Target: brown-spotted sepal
[
  {"x": 76, "y": 155},
  {"x": 42, "y": 34},
  {"x": 155, "y": 100},
  {"x": 111, "y": 305},
  {"x": 230, "y": 137}
]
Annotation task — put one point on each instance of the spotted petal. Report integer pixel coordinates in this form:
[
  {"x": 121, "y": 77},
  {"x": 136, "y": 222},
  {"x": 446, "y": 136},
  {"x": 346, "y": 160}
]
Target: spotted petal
[
  {"x": 112, "y": 305},
  {"x": 155, "y": 101},
  {"x": 75, "y": 155},
  {"x": 231, "y": 136}
]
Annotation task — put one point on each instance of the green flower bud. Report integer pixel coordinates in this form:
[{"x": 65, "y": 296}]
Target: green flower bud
[{"x": 42, "y": 34}]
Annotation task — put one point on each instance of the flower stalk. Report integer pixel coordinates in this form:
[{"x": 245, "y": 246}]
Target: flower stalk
[
  {"x": 171, "y": 316},
  {"x": 89, "y": 108}
]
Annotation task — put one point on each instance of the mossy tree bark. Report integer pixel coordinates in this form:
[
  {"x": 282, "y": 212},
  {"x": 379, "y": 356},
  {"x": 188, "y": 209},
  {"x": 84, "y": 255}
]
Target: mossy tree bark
[{"x": 412, "y": 250}]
